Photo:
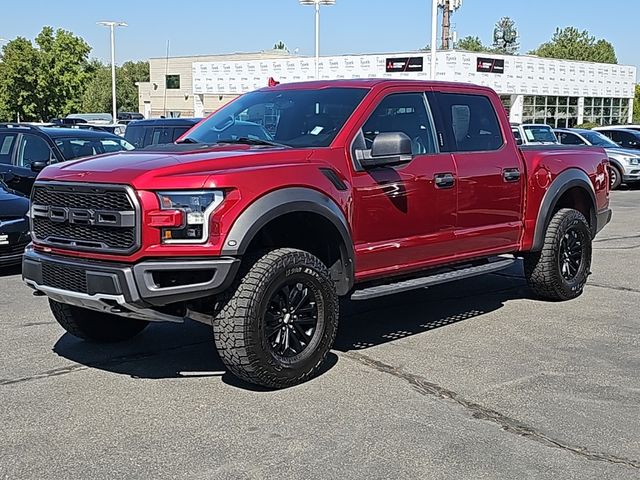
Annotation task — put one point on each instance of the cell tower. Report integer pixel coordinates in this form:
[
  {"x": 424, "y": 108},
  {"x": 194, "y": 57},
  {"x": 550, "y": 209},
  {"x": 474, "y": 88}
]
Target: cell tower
[{"x": 448, "y": 7}]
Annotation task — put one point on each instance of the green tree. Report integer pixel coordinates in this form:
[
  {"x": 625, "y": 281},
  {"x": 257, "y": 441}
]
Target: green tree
[
  {"x": 44, "y": 80},
  {"x": 572, "y": 44},
  {"x": 505, "y": 37},
  {"x": 97, "y": 95},
  {"x": 636, "y": 105},
  {"x": 18, "y": 78},
  {"x": 280, "y": 46},
  {"x": 471, "y": 44}
]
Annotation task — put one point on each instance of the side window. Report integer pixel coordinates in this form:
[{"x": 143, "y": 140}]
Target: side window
[
  {"x": 629, "y": 139},
  {"x": 33, "y": 149},
  {"x": 472, "y": 122},
  {"x": 613, "y": 135},
  {"x": 569, "y": 139},
  {"x": 178, "y": 132},
  {"x": 7, "y": 141},
  {"x": 406, "y": 113},
  {"x": 161, "y": 136}
]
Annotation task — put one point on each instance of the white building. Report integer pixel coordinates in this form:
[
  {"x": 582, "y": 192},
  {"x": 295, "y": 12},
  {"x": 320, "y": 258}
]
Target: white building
[{"x": 533, "y": 89}]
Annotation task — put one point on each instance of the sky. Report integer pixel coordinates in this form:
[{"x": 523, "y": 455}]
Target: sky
[{"x": 350, "y": 26}]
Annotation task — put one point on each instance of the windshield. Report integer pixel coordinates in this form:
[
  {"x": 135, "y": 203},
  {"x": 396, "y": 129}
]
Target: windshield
[
  {"x": 73, "y": 147},
  {"x": 539, "y": 134},
  {"x": 295, "y": 118},
  {"x": 599, "y": 140}
]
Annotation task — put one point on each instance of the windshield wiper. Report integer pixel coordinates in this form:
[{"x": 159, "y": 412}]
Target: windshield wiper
[
  {"x": 252, "y": 141},
  {"x": 188, "y": 140}
]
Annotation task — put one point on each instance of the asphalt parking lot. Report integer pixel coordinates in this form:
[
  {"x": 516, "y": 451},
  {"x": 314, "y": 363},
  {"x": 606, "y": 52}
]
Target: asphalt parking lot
[{"x": 468, "y": 380}]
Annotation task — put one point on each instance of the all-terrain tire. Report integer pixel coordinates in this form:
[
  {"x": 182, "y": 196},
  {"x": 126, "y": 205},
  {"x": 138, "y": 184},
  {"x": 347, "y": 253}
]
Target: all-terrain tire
[
  {"x": 615, "y": 177},
  {"x": 94, "y": 326},
  {"x": 241, "y": 320},
  {"x": 544, "y": 269}
]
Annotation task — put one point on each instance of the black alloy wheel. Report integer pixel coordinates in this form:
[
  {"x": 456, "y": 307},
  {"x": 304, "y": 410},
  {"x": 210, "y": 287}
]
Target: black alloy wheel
[
  {"x": 571, "y": 253},
  {"x": 291, "y": 319}
]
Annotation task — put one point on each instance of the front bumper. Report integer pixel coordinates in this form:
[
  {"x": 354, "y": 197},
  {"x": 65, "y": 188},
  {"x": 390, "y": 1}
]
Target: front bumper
[{"x": 130, "y": 290}]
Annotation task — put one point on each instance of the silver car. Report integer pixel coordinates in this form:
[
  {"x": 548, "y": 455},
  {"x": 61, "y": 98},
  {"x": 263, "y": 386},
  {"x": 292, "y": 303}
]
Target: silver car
[{"x": 625, "y": 163}]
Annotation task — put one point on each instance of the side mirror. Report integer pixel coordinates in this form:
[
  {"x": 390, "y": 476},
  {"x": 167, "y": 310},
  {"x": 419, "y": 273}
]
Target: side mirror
[
  {"x": 38, "y": 166},
  {"x": 388, "y": 148},
  {"x": 519, "y": 141}
]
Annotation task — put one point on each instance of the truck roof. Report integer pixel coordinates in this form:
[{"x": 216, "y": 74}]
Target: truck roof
[{"x": 369, "y": 83}]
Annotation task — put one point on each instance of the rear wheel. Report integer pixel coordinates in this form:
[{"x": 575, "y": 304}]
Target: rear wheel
[
  {"x": 94, "y": 326},
  {"x": 615, "y": 177},
  {"x": 560, "y": 270},
  {"x": 277, "y": 325}
]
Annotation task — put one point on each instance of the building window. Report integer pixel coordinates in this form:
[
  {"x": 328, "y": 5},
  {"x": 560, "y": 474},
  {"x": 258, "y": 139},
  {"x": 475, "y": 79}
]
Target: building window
[
  {"x": 557, "y": 112},
  {"x": 172, "y": 82},
  {"x": 506, "y": 103},
  {"x": 606, "y": 111}
]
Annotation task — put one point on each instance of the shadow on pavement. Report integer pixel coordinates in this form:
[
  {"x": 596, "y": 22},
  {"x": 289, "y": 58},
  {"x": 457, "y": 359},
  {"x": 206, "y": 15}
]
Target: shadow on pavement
[{"x": 187, "y": 350}]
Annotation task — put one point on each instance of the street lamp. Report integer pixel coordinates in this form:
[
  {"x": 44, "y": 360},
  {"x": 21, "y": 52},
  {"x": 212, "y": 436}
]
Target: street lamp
[
  {"x": 317, "y": 4},
  {"x": 112, "y": 25},
  {"x": 434, "y": 36}
]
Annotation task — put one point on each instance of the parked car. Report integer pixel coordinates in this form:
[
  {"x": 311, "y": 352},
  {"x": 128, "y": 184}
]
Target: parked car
[
  {"x": 27, "y": 149},
  {"x": 624, "y": 137},
  {"x": 14, "y": 226},
  {"x": 533, "y": 134},
  {"x": 157, "y": 131},
  {"x": 624, "y": 163},
  {"x": 358, "y": 188}
]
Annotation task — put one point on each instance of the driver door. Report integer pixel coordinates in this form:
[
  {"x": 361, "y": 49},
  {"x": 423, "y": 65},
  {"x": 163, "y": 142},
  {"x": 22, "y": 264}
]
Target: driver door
[{"x": 404, "y": 217}]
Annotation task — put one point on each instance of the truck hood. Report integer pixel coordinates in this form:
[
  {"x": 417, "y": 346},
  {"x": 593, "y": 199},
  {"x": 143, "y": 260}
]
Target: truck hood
[{"x": 173, "y": 166}]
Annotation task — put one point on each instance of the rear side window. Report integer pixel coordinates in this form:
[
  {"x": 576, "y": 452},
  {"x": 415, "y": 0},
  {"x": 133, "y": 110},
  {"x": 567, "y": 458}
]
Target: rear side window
[
  {"x": 471, "y": 122},
  {"x": 6, "y": 146},
  {"x": 161, "y": 136}
]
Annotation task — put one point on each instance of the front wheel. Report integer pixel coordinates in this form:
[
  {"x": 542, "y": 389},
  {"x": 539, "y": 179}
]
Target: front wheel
[
  {"x": 560, "y": 270},
  {"x": 615, "y": 177},
  {"x": 278, "y": 323}
]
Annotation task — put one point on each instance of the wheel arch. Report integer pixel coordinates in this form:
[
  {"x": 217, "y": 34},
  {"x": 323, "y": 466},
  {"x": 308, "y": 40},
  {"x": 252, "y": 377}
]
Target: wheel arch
[
  {"x": 571, "y": 189},
  {"x": 283, "y": 208}
]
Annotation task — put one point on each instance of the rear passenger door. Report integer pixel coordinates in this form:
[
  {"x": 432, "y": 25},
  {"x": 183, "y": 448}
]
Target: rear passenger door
[
  {"x": 8, "y": 141},
  {"x": 490, "y": 176}
]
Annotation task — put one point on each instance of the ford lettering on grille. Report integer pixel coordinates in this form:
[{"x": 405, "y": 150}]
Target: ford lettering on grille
[{"x": 85, "y": 217}]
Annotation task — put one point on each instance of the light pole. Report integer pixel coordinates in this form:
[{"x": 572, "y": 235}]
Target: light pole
[
  {"x": 434, "y": 36},
  {"x": 112, "y": 25},
  {"x": 317, "y": 4}
]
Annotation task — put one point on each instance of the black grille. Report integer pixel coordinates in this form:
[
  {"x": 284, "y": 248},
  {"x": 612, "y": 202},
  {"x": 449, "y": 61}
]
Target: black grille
[
  {"x": 83, "y": 236},
  {"x": 64, "y": 278},
  {"x": 96, "y": 200},
  {"x": 87, "y": 235}
]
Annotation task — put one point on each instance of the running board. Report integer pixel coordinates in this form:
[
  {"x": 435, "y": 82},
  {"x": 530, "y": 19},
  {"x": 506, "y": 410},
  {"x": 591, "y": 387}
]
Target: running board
[{"x": 494, "y": 264}]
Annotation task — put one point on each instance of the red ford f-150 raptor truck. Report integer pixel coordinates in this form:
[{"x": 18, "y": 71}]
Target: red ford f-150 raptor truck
[{"x": 291, "y": 196}]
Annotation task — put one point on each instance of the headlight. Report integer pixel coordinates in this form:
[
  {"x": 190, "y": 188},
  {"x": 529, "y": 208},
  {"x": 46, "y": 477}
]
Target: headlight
[
  {"x": 196, "y": 208},
  {"x": 633, "y": 160}
]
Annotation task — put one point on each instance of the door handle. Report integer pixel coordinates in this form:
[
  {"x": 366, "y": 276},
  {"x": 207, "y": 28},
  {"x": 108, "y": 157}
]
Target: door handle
[
  {"x": 511, "y": 174},
  {"x": 444, "y": 180}
]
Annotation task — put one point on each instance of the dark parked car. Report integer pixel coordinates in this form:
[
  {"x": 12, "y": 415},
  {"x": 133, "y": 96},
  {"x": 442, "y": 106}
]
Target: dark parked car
[
  {"x": 27, "y": 149},
  {"x": 14, "y": 226},
  {"x": 625, "y": 137},
  {"x": 158, "y": 131}
]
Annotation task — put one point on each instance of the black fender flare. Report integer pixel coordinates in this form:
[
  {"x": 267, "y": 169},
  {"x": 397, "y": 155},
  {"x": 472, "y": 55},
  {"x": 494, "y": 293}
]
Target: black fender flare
[
  {"x": 281, "y": 202},
  {"x": 568, "y": 179}
]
